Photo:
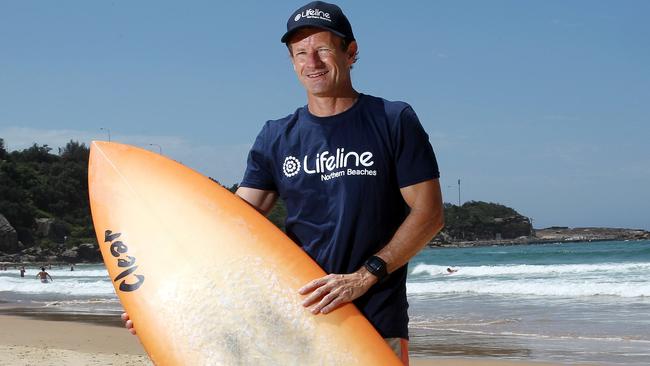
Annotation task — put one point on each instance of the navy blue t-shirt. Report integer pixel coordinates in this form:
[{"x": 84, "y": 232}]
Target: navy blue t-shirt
[{"x": 340, "y": 178}]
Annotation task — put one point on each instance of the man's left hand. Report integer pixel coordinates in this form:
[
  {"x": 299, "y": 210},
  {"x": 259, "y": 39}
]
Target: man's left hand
[{"x": 334, "y": 290}]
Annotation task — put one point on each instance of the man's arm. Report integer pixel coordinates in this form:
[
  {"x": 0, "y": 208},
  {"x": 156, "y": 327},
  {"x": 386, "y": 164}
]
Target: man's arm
[
  {"x": 261, "y": 200},
  {"x": 423, "y": 222}
]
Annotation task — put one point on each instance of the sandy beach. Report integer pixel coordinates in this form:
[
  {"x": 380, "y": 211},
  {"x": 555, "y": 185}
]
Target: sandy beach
[
  {"x": 562, "y": 304},
  {"x": 29, "y": 341}
]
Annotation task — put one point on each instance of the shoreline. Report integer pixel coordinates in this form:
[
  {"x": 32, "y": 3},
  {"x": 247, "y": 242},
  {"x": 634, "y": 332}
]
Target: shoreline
[
  {"x": 432, "y": 245},
  {"x": 55, "y": 339},
  {"x": 545, "y": 322}
]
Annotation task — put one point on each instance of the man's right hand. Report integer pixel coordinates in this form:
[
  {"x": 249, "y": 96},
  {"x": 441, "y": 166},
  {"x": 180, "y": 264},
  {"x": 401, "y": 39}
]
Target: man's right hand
[{"x": 128, "y": 323}]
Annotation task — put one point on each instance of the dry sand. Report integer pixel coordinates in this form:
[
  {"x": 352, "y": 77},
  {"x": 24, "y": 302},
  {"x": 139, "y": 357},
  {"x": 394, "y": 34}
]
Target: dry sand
[{"x": 26, "y": 341}]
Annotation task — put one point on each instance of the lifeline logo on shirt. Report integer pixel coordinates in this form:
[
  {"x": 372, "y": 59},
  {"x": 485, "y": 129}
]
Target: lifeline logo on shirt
[
  {"x": 291, "y": 166},
  {"x": 329, "y": 165}
]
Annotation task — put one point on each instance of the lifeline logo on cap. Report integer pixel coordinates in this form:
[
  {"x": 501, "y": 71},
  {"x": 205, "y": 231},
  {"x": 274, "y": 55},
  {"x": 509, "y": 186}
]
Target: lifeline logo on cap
[
  {"x": 319, "y": 14},
  {"x": 313, "y": 13}
]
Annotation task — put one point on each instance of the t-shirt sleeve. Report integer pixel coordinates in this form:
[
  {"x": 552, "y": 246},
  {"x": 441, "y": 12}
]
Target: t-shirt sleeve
[
  {"x": 258, "y": 167},
  {"x": 414, "y": 157}
]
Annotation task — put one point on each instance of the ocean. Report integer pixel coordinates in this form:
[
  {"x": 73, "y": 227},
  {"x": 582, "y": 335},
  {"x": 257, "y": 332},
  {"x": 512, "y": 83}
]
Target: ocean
[
  {"x": 86, "y": 290},
  {"x": 567, "y": 303}
]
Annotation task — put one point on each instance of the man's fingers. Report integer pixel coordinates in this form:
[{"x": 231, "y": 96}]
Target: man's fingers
[
  {"x": 325, "y": 301},
  {"x": 129, "y": 327},
  {"x": 332, "y": 291},
  {"x": 311, "y": 286},
  {"x": 333, "y": 305},
  {"x": 323, "y": 283},
  {"x": 128, "y": 323},
  {"x": 318, "y": 293},
  {"x": 315, "y": 296}
]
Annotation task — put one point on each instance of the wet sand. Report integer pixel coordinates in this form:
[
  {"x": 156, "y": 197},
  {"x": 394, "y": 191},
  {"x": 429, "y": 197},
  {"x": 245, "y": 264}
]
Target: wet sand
[{"x": 55, "y": 339}]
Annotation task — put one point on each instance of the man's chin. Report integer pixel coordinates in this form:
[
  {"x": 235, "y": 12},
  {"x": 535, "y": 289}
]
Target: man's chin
[{"x": 320, "y": 93}]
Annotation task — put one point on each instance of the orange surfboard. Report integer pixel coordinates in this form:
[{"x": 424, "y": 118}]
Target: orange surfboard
[{"x": 208, "y": 280}]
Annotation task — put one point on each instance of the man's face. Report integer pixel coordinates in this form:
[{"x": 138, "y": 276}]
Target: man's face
[{"x": 320, "y": 64}]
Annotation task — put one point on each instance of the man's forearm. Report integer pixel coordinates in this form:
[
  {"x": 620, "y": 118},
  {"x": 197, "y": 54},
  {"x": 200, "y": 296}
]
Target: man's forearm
[
  {"x": 419, "y": 227},
  {"x": 422, "y": 223}
]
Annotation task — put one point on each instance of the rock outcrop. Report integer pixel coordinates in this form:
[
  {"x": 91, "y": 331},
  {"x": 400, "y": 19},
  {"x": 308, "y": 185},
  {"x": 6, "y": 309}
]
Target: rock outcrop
[
  {"x": 8, "y": 237},
  {"x": 84, "y": 253},
  {"x": 53, "y": 229},
  {"x": 89, "y": 252}
]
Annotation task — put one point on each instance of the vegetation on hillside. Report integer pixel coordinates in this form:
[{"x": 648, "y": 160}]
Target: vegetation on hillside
[
  {"x": 34, "y": 183},
  {"x": 476, "y": 220}
]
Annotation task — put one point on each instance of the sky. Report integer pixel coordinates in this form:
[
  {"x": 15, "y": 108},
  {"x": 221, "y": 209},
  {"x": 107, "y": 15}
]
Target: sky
[{"x": 543, "y": 106}]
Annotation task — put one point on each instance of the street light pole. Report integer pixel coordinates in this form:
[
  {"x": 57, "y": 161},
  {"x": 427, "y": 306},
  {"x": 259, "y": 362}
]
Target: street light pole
[
  {"x": 107, "y": 130},
  {"x": 458, "y": 191}
]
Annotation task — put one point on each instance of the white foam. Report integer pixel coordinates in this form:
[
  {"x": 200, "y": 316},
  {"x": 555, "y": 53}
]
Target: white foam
[
  {"x": 541, "y": 287},
  {"x": 62, "y": 272},
  {"x": 527, "y": 269},
  {"x": 62, "y": 286},
  {"x": 603, "y": 279},
  {"x": 78, "y": 302}
]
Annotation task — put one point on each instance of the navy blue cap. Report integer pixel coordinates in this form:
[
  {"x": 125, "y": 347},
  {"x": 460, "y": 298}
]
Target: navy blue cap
[{"x": 319, "y": 14}]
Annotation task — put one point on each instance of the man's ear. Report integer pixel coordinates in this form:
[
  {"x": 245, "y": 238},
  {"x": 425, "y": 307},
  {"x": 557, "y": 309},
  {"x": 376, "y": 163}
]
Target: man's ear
[{"x": 353, "y": 48}]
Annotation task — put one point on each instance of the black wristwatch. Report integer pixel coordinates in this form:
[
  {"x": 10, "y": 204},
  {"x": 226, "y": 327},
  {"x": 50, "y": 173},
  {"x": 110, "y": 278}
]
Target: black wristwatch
[{"x": 377, "y": 267}]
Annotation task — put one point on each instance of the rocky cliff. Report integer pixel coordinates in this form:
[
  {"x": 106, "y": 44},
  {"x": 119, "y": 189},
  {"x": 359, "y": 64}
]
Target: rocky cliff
[
  {"x": 12, "y": 250},
  {"x": 8, "y": 236}
]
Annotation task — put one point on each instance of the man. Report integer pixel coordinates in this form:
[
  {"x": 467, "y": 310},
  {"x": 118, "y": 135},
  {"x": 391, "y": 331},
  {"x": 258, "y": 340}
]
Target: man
[
  {"x": 347, "y": 165},
  {"x": 357, "y": 174},
  {"x": 44, "y": 275}
]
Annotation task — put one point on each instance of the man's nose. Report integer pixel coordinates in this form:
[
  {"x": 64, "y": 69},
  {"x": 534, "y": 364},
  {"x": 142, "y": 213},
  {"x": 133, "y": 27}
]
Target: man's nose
[{"x": 314, "y": 60}]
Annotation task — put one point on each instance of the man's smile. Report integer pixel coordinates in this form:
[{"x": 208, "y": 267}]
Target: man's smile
[{"x": 317, "y": 74}]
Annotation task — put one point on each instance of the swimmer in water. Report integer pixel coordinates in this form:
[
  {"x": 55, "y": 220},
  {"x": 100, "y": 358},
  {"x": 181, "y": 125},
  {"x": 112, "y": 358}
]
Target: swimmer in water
[{"x": 44, "y": 275}]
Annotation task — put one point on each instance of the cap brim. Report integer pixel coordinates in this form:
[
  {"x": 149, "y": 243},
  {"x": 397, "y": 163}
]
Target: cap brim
[{"x": 288, "y": 35}]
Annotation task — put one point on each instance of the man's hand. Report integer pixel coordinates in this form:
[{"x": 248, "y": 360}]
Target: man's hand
[
  {"x": 128, "y": 323},
  {"x": 335, "y": 290}
]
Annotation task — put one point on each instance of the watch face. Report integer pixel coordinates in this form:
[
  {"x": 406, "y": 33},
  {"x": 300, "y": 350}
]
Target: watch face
[{"x": 376, "y": 265}]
